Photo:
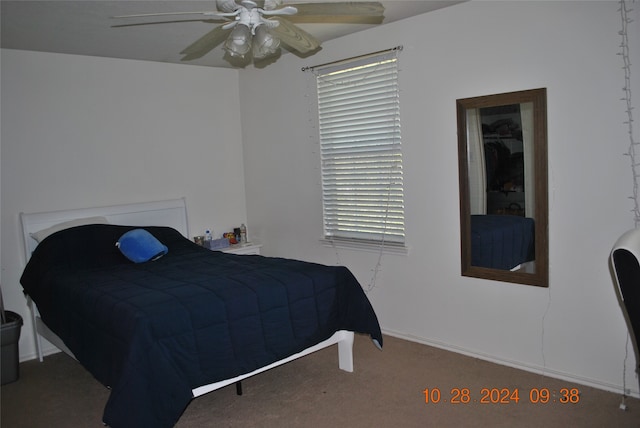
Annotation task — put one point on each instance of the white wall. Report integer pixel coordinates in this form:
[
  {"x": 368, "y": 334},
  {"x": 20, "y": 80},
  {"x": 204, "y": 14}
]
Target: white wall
[
  {"x": 574, "y": 329},
  {"x": 83, "y": 131}
]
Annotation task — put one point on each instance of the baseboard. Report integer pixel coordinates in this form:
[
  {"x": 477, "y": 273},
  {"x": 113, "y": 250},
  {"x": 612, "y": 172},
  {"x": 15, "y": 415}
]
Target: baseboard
[{"x": 630, "y": 392}]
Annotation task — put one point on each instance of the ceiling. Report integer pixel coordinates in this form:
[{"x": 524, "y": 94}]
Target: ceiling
[{"x": 85, "y": 27}]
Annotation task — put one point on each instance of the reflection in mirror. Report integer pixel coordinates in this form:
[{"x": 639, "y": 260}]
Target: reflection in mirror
[{"x": 502, "y": 149}]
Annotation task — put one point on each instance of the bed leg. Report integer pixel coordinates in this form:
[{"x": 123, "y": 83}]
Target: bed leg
[
  {"x": 34, "y": 326},
  {"x": 239, "y": 388},
  {"x": 345, "y": 352},
  {"x": 39, "y": 346}
]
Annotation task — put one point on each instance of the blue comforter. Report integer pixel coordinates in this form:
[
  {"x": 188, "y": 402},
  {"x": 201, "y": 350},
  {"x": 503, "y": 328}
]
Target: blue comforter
[
  {"x": 502, "y": 241},
  {"x": 154, "y": 331}
]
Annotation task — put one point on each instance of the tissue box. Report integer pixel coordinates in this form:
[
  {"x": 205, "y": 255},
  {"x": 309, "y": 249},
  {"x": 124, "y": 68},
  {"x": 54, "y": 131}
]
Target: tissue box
[{"x": 217, "y": 244}]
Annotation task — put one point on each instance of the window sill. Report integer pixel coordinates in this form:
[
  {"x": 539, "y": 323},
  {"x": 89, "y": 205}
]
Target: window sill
[{"x": 373, "y": 247}]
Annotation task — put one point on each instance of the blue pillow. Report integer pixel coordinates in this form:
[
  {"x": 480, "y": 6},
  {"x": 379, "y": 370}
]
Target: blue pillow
[{"x": 140, "y": 246}]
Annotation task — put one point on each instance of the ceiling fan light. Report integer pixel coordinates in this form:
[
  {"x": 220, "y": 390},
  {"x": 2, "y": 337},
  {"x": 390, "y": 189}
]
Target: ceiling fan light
[
  {"x": 264, "y": 43},
  {"x": 239, "y": 41}
]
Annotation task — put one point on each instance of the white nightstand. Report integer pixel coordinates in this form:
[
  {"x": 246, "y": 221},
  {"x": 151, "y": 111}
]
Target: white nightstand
[{"x": 248, "y": 248}]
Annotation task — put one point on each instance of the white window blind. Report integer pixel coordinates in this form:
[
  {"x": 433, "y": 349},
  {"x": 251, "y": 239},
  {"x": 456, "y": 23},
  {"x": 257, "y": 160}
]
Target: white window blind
[{"x": 359, "y": 129}]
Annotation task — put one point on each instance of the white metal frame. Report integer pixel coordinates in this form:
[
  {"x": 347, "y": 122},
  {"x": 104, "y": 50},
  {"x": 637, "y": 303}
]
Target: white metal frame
[{"x": 172, "y": 213}]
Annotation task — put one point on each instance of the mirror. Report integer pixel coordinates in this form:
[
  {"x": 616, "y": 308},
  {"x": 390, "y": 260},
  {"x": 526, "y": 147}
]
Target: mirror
[{"x": 502, "y": 159}]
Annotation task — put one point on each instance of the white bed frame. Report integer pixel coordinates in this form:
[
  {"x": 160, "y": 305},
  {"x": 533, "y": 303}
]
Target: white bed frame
[{"x": 172, "y": 213}]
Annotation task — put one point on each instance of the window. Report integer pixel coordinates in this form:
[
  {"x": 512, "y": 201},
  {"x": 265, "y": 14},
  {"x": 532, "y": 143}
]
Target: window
[{"x": 359, "y": 129}]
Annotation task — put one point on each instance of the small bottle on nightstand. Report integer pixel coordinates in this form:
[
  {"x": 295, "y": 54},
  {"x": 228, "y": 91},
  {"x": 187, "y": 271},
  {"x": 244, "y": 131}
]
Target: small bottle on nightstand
[{"x": 243, "y": 234}]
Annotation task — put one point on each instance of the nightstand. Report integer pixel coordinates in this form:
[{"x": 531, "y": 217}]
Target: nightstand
[{"x": 248, "y": 248}]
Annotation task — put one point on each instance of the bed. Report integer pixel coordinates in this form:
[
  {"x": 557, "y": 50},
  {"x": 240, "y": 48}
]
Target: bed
[
  {"x": 159, "y": 333},
  {"x": 501, "y": 241}
]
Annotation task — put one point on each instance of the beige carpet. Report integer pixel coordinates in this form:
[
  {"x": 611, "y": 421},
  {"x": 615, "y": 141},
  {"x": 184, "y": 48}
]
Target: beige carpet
[{"x": 385, "y": 390}]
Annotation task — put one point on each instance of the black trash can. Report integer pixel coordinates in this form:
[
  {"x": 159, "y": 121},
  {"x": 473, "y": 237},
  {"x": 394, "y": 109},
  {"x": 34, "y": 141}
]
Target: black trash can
[{"x": 10, "y": 357}]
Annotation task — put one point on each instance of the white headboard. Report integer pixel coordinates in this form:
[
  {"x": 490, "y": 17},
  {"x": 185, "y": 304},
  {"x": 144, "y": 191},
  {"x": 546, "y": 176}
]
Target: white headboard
[{"x": 172, "y": 213}]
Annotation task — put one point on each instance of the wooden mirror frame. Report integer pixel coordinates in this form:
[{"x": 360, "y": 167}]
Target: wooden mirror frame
[{"x": 539, "y": 99}]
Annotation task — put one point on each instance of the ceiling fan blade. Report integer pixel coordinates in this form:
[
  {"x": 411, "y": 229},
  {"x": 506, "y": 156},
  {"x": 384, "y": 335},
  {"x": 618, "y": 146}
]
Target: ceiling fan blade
[
  {"x": 173, "y": 21},
  {"x": 144, "y": 15},
  {"x": 205, "y": 44},
  {"x": 294, "y": 36},
  {"x": 348, "y": 12}
]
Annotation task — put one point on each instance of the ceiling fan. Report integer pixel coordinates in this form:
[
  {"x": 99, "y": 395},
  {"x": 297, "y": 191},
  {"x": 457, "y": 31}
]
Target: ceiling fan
[{"x": 257, "y": 28}]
